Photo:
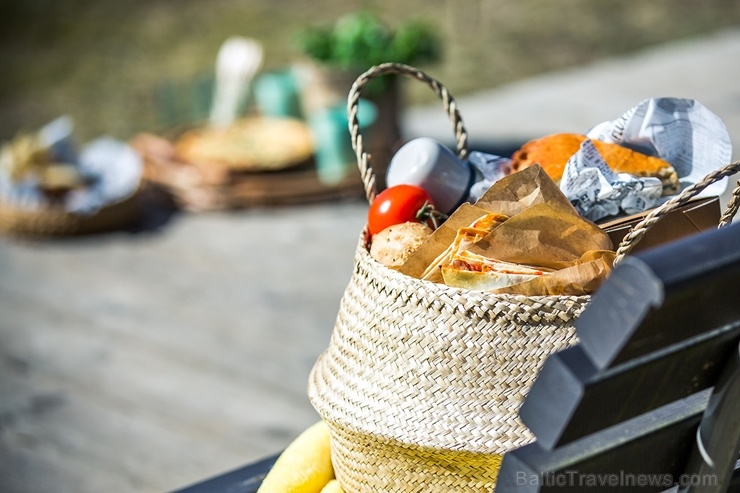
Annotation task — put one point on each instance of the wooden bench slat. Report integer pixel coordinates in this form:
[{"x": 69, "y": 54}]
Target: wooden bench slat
[
  {"x": 633, "y": 397},
  {"x": 655, "y": 445},
  {"x": 245, "y": 479},
  {"x": 694, "y": 281},
  {"x": 717, "y": 442},
  {"x": 571, "y": 398}
]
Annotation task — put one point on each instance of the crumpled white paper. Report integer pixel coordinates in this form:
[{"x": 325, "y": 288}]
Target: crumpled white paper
[
  {"x": 115, "y": 169},
  {"x": 489, "y": 169},
  {"x": 681, "y": 131},
  {"x": 598, "y": 192},
  {"x": 112, "y": 167}
]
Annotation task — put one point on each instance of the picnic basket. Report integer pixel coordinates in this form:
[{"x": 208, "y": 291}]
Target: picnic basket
[
  {"x": 421, "y": 383},
  {"x": 54, "y": 220}
]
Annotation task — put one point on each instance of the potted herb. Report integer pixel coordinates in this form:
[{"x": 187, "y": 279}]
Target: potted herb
[
  {"x": 360, "y": 40},
  {"x": 339, "y": 52}
]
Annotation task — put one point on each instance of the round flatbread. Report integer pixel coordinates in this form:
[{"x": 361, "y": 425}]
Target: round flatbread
[{"x": 250, "y": 144}]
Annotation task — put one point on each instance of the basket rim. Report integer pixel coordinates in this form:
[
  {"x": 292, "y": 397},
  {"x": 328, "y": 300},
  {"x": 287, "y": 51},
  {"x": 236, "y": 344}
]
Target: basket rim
[
  {"x": 363, "y": 251},
  {"x": 54, "y": 220},
  {"x": 58, "y": 209}
]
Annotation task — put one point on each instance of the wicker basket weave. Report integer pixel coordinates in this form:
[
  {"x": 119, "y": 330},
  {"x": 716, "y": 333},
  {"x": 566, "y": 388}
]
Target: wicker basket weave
[
  {"x": 55, "y": 221},
  {"x": 421, "y": 383}
]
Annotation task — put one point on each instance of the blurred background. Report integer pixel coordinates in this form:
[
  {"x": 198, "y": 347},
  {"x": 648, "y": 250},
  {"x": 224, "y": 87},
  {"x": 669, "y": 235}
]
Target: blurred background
[
  {"x": 104, "y": 61},
  {"x": 159, "y": 354}
]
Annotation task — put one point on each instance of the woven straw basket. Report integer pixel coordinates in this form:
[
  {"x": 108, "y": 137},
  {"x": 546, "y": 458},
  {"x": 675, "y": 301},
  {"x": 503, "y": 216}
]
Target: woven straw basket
[
  {"x": 55, "y": 221},
  {"x": 421, "y": 383}
]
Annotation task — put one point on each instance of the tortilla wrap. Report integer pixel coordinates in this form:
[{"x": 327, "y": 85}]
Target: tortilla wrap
[
  {"x": 466, "y": 236},
  {"x": 472, "y": 271}
]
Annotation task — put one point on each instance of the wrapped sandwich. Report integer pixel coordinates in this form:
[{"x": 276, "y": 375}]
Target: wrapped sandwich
[
  {"x": 473, "y": 271},
  {"x": 522, "y": 236},
  {"x": 464, "y": 238}
]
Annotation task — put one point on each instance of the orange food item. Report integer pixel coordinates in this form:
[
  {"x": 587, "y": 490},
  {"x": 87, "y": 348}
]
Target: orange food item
[{"x": 552, "y": 152}]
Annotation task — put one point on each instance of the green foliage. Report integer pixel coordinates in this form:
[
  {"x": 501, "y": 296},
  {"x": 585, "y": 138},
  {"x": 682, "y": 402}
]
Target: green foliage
[{"x": 360, "y": 40}]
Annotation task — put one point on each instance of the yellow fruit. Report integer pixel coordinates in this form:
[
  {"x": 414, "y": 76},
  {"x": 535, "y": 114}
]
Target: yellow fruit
[
  {"x": 304, "y": 466},
  {"x": 333, "y": 486}
]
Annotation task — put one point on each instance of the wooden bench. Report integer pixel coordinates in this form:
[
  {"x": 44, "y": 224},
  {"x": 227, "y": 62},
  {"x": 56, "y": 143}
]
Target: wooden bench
[
  {"x": 649, "y": 399},
  {"x": 246, "y": 479},
  {"x": 657, "y": 359}
]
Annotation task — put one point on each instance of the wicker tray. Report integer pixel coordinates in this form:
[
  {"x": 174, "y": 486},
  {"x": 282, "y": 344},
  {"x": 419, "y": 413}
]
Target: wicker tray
[
  {"x": 205, "y": 187},
  {"x": 55, "y": 221}
]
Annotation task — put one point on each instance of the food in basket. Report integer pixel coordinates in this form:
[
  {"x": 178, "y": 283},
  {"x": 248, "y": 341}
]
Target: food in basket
[
  {"x": 465, "y": 237},
  {"x": 59, "y": 178},
  {"x": 393, "y": 245},
  {"x": 26, "y": 157},
  {"x": 304, "y": 466},
  {"x": 553, "y": 151},
  {"x": 402, "y": 203},
  {"x": 333, "y": 486},
  {"x": 249, "y": 144},
  {"x": 43, "y": 171},
  {"x": 534, "y": 242},
  {"x": 473, "y": 271},
  {"x": 439, "y": 339}
]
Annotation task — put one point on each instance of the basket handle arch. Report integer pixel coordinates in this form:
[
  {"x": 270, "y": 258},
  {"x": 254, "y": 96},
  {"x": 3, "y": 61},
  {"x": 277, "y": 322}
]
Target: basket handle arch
[
  {"x": 363, "y": 158},
  {"x": 461, "y": 138}
]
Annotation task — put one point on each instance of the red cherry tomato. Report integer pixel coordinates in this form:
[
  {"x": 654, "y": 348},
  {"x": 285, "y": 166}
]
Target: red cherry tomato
[{"x": 399, "y": 204}]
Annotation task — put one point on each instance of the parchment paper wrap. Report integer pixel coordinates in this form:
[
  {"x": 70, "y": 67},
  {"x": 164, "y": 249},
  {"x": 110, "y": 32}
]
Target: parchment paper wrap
[{"x": 542, "y": 230}]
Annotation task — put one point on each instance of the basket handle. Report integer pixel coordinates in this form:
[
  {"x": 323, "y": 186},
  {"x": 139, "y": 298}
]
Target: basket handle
[
  {"x": 461, "y": 137},
  {"x": 363, "y": 158},
  {"x": 639, "y": 229}
]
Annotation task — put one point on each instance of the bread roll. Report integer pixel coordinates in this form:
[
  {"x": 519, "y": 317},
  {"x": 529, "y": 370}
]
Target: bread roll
[
  {"x": 552, "y": 152},
  {"x": 393, "y": 245}
]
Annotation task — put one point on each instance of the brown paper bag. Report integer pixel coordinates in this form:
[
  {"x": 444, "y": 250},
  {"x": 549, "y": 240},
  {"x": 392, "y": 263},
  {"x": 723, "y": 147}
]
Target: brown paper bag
[{"x": 542, "y": 229}]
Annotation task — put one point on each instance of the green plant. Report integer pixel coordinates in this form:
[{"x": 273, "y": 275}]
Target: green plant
[{"x": 360, "y": 40}]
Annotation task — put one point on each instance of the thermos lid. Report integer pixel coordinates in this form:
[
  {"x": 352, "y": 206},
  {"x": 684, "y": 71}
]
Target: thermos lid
[{"x": 426, "y": 163}]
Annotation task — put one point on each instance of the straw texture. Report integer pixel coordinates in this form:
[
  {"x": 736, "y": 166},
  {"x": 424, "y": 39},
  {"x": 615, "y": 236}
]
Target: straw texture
[
  {"x": 55, "y": 221},
  {"x": 639, "y": 229},
  {"x": 421, "y": 383},
  {"x": 366, "y": 463}
]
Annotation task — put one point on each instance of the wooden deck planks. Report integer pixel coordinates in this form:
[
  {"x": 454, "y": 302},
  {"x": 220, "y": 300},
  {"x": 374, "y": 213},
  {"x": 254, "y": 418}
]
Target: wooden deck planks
[{"x": 148, "y": 362}]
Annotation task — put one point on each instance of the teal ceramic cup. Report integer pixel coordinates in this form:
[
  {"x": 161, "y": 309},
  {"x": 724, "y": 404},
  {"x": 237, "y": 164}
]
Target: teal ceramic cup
[
  {"x": 333, "y": 154},
  {"x": 276, "y": 94}
]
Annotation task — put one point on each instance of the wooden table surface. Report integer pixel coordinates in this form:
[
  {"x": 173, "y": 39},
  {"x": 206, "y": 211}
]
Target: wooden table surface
[{"x": 150, "y": 361}]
